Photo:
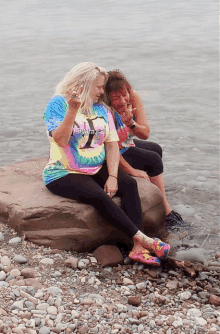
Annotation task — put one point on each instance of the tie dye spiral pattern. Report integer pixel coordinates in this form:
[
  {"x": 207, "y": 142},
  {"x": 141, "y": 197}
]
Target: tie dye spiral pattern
[{"x": 85, "y": 152}]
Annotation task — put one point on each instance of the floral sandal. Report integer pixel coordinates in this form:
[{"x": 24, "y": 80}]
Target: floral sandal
[
  {"x": 160, "y": 249},
  {"x": 145, "y": 257}
]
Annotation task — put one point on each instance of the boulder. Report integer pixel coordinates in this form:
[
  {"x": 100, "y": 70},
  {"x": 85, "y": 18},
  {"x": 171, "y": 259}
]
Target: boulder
[{"x": 50, "y": 220}]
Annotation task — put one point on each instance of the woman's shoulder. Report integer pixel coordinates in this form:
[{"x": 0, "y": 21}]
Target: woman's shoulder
[
  {"x": 134, "y": 96},
  {"x": 56, "y": 105},
  {"x": 57, "y": 99},
  {"x": 102, "y": 110}
]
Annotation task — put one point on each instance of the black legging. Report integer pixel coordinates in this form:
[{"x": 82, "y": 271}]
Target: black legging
[
  {"x": 89, "y": 189},
  {"x": 145, "y": 156}
]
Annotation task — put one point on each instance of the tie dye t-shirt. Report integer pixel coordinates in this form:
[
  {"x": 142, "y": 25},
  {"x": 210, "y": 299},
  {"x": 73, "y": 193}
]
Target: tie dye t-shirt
[
  {"x": 85, "y": 152},
  {"x": 124, "y": 133}
]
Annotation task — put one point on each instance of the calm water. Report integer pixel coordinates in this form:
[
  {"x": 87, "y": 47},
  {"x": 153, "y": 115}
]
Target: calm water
[{"x": 167, "y": 49}]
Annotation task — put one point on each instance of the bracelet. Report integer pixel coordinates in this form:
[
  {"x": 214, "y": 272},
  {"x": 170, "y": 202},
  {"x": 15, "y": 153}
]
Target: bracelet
[{"x": 113, "y": 176}]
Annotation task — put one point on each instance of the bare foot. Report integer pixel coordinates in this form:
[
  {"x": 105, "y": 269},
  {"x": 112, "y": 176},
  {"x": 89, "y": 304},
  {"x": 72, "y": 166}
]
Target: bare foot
[{"x": 143, "y": 240}]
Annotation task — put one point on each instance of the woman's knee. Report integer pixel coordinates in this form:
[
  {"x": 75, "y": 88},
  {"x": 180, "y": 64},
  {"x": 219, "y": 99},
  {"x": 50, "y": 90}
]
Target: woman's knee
[
  {"x": 156, "y": 164},
  {"x": 158, "y": 150}
]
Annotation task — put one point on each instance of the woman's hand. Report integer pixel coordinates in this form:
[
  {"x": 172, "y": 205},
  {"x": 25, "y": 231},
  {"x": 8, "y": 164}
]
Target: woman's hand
[
  {"x": 139, "y": 173},
  {"x": 73, "y": 98},
  {"x": 111, "y": 186},
  {"x": 127, "y": 117}
]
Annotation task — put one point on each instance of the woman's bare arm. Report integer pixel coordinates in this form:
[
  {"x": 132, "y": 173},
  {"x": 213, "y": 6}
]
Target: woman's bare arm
[{"x": 142, "y": 128}]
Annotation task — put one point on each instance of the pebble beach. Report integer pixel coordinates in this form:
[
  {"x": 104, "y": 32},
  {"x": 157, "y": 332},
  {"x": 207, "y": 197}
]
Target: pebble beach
[
  {"x": 48, "y": 291},
  {"x": 169, "y": 52}
]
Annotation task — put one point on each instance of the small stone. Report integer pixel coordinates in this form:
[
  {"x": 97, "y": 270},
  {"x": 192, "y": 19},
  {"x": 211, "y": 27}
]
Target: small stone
[
  {"x": 28, "y": 297},
  {"x": 1, "y": 236},
  {"x": 47, "y": 261},
  {"x": 18, "y": 330},
  {"x": 44, "y": 330},
  {"x": 93, "y": 260},
  {"x": 172, "y": 285},
  {"x": 127, "y": 281},
  {"x": 91, "y": 280},
  {"x": 52, "y": 310},
  {"x": 135, "y": 301},
  {"x": 203, "y": 295},
  {"x": 28, "y": 272},
  {"x": 214, "y": 300},
  {"x": 75, "y": 314},
  {"x": 2, "y": 312},
  {"x": 141, "y": 285},
  {"x": 5, "y": 261},
  {"x": 217, "y": 255},
  {"x": 177, "y": 322},
  {"x": 86, "y": 301},
  {"x": 14, "y": 241},
  {"x": 83, "y": 330},
  {"x": 42, "y": 306},
  {"x": 54, "y": 290},
  {"x": 20, "y": 259},
  {"x": 18, "y": 305},
  {"x": 2, "y": 275},
  {"x": 152, "y": 272},
  {"x": 15, "y": 272},
  {"x": 81, "y": 265},
  {"x": 200, "y": 321},
  {"x": 71, "y": 262},
  {"x": 194, "y": 312},
  {"x": 185, "y": 295},
  {"x": 33, "y": 282},
  {"x": 58, "y": 301}
]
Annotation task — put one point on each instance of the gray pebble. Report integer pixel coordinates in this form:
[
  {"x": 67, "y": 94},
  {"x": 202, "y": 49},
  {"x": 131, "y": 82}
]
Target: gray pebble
[
  {"x": 20, "y": 259},
  {"x": 9, "y": 278},
  {"x": 44, "y": 330},
  {"x": 3, "y": 284},
  {"x": 1, "y": 236},
  {"x": 2, "y": 275},
  {"x": 14, "y": 241},
  {"x": 18, "y": 305}
]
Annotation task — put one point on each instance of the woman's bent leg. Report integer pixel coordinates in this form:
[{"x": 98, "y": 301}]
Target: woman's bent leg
[
  {"x": 149, "y": 146},
  {"x": 142, "y": 159},
  {"x": 151, "y": 163},
  {"x": 85, "y": 189}
]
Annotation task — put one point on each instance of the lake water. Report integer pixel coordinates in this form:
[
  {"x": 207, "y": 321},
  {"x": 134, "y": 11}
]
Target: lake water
[{"x": 167, "y": 49}]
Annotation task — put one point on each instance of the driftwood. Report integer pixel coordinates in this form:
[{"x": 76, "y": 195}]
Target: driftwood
[{"x": 190, "y": 268}]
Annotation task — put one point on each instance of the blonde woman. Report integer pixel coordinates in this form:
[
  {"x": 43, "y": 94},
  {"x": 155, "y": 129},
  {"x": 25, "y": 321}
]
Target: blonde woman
[{"x": 84, "y": 158}]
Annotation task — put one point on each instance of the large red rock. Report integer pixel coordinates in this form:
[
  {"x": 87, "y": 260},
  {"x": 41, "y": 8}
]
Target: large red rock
[{"x": 46, "y": 219}]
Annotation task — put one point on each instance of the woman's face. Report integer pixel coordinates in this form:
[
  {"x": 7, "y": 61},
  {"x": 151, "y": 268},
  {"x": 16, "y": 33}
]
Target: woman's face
[
  {"x": 98, "y": 88},
  {"x": 120, "y": 99}
]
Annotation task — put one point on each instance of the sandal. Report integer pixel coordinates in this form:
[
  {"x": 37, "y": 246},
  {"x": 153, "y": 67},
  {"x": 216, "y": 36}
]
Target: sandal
[
  {"x": 160, "y": 249},
  {"x": 145, "y": 257}
]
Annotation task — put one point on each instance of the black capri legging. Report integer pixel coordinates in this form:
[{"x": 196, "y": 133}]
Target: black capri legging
[
  {"x": 89, "y": 189},
  {"x": 145, "y": 156}
]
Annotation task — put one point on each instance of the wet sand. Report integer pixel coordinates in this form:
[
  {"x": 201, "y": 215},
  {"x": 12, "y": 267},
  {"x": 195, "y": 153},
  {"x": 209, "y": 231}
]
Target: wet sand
[{"x": 169, "y": 52}]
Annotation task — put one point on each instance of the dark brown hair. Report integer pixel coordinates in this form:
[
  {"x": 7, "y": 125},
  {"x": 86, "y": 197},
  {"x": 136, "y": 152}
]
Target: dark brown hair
[{"x": 116, "y": 80}]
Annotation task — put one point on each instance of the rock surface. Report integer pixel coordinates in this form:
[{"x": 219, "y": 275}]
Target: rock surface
[{"x": 50, "y": 220}]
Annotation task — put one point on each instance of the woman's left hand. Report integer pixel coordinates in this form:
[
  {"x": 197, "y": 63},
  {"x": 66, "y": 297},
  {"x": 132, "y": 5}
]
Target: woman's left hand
[{"x": 111, "y": 186}]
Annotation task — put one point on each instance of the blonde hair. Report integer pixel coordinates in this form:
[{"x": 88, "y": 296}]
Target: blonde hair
[{"x": 83, "y": 74}]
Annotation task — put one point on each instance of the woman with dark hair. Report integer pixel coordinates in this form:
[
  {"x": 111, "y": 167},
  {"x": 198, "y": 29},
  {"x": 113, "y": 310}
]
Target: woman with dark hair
[
  {"x": 138, "y": 158},
  {"x": 84, "y": 158}
]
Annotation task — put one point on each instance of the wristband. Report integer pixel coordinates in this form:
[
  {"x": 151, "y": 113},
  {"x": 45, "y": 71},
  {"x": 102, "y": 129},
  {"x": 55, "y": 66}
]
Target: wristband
[
  {"x": 132, "y": 126},
  {"x": 113, "y": 176}
]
